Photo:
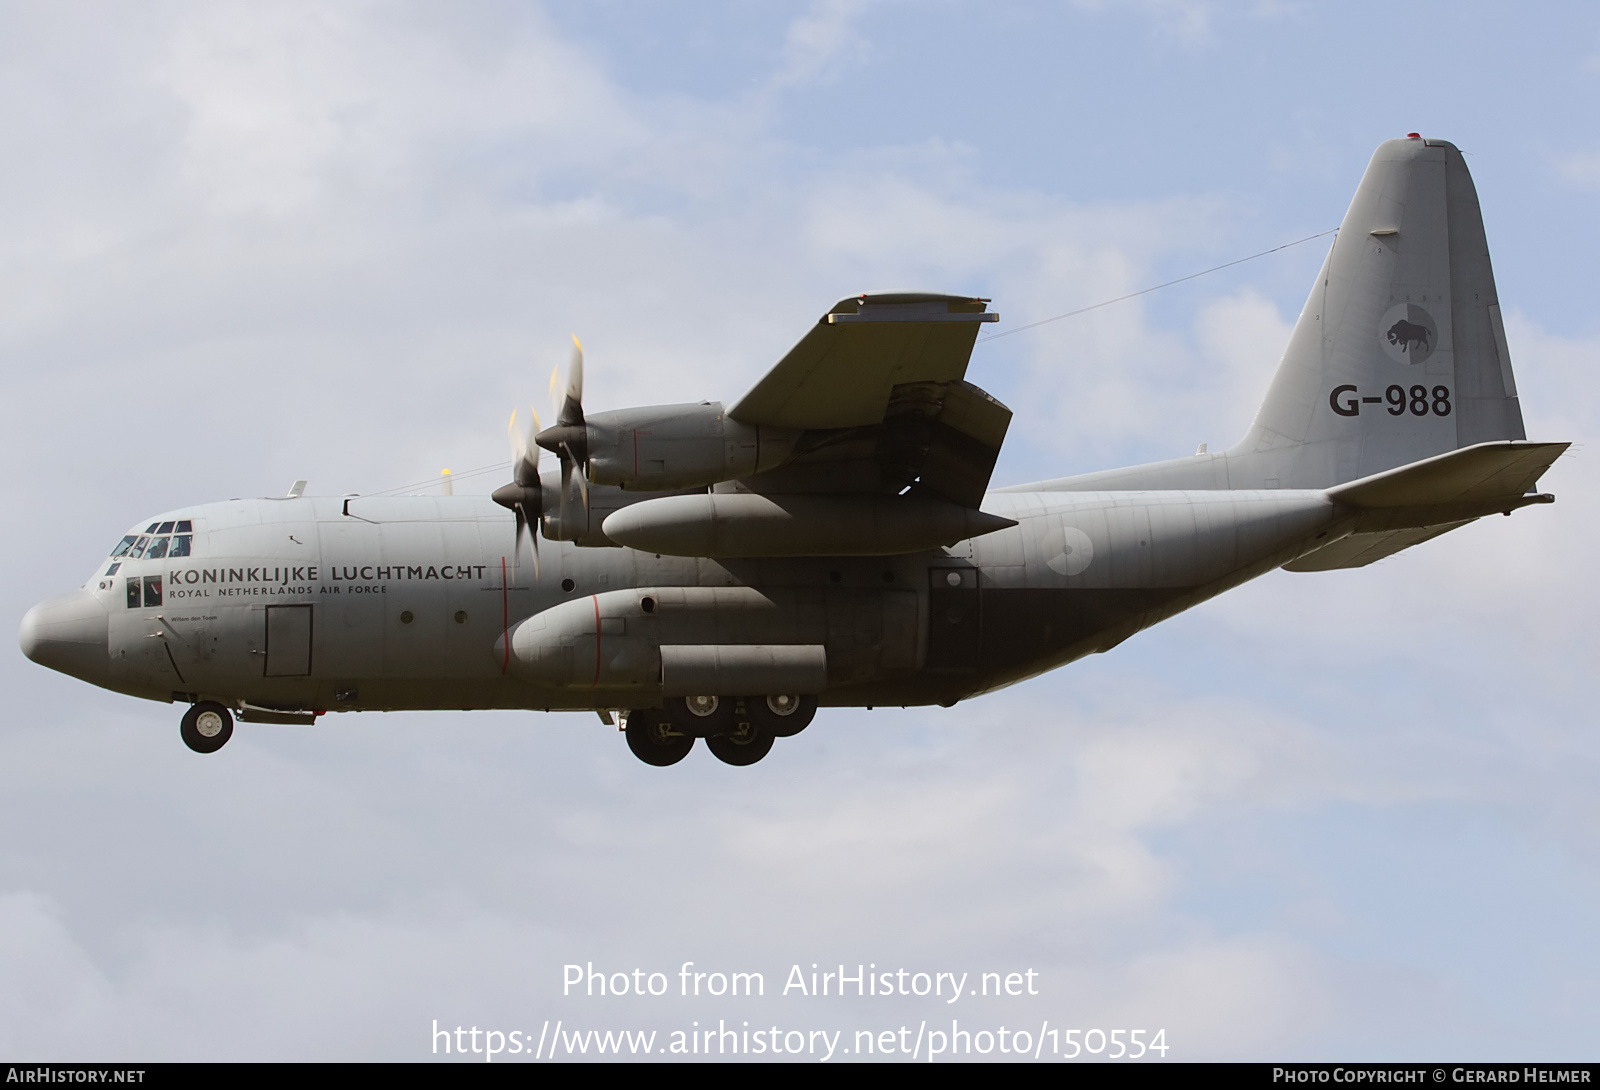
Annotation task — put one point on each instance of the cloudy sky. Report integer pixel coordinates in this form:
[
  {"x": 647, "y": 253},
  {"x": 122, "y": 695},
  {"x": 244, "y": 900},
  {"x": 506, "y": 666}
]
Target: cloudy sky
[{"x": 1344, "y": 815}]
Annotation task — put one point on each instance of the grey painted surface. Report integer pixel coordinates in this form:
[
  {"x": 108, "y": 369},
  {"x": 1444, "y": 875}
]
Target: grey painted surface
[{"x": 1392, "y": 418}]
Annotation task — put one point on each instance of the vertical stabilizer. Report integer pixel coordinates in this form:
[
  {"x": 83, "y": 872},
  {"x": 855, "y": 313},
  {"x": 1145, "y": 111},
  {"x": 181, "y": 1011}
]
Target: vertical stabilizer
[{"x": 1400, "y": 353}]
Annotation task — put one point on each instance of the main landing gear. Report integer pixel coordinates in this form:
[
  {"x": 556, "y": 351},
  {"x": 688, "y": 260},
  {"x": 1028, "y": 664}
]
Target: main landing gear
[
  {"x": 737, "y": 730},
  {"x": 206, "y": 727},
  {"x": 655, "y": 739}
]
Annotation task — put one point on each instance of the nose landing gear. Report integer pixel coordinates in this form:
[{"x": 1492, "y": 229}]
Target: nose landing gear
[{"x": 206, "y": 727}]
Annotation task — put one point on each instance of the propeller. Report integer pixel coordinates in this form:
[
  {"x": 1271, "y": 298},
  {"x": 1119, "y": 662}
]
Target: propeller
[
  {"x": 523, "y": 495},
  {"x": 568, "y": 440}
]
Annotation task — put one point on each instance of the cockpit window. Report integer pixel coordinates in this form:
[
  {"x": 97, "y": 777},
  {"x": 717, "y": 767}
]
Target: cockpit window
[{"x": 135, "y": 546}]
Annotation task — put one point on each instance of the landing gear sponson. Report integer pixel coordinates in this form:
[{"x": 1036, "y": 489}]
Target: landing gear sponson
[{"x": 737, "y": 730}]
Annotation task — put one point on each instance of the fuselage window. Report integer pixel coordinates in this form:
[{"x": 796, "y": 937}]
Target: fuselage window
[
  {"x": 157, "y": 549},
  {"x": 138, "y": 548},
  {"x": 122, "y": 549},
  {"x": 180, "y": 544}
]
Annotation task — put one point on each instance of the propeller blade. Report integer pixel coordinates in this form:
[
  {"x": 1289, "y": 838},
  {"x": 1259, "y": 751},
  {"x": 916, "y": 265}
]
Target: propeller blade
[
  {"x": 534, "y": 534},
  {"x": 568, "y": 439},
  {"x": 572, "y": 404},
  {"x": 583, "y": 480},
  {"x": 526, "y": 520},
  {"x": 519, "y": 446},
  {"x": 566, "y": 486},
  {"x": 523, "y": 494}
]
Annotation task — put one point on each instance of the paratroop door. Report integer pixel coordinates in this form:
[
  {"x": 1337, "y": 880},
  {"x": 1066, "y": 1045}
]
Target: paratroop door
[{"x": 288, "y": 641}]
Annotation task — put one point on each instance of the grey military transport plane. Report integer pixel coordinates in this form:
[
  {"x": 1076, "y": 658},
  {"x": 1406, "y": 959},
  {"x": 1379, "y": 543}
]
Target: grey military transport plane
[{"x": 830, "y": 538}]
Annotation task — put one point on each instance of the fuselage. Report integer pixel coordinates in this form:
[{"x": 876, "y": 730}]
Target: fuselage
[{"x": 346, "y": 604}]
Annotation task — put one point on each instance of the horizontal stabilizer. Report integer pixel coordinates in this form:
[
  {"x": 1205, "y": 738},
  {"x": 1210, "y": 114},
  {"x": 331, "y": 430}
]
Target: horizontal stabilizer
[
  {"x": 1359, "y": 550},
  {"x": 1402, "y": 507},
  {"x": 1462, "y": 484}
]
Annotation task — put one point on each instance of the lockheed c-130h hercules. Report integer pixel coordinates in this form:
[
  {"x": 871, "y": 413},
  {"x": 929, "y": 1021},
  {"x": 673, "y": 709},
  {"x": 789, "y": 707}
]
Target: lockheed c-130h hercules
[{"x": 831, "y": 538}]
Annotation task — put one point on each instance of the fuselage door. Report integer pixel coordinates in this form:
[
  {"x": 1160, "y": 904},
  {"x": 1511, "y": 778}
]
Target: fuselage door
[{"x": 288, "y": 641}]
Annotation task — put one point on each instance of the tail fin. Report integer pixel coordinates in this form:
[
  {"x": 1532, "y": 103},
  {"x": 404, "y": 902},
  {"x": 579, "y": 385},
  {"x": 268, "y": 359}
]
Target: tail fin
[{"x": 1400, "y": 353}]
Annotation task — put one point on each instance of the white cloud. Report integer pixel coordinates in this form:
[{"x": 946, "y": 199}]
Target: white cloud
[{"x": 822, "y": 39}]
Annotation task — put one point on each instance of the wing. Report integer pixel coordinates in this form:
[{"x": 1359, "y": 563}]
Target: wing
[
  {"x": 843, "y": 372},
  {"x": 877, "y": 388}
]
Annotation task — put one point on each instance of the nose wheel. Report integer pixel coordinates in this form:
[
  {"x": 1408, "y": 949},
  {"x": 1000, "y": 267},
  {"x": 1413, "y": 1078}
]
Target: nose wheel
[{"x": 206, "y": 727}]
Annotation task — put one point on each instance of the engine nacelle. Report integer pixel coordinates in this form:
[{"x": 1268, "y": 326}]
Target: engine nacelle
[
  {"x": 750, "y": 524},
  {"x": 658, "y": 447}
]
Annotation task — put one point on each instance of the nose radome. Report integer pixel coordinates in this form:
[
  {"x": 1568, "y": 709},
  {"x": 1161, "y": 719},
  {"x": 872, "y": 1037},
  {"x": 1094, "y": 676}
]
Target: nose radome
[{"x": 68, "y": 634}]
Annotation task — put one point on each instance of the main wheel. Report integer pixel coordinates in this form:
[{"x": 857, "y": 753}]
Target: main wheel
[
  {"x": 745, "y": 745},
  {"x": 784, "y": 715},
  {"x": 655, "y": 739},
  {"x": 206, "y": 727},
  {"x": 703, "y": 716}
]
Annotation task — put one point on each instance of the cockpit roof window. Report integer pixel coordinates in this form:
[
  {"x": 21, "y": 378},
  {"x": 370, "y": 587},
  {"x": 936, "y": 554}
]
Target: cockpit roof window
[
  {"x": 184, "y": 527},
  {"x": 166, "y": 528},
  {"x": 151, "y": 528}
]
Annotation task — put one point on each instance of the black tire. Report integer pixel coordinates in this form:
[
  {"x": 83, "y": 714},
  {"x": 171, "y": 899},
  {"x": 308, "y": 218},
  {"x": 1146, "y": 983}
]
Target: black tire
[
  {"x": 770, "y": 713},
  {"x": 744, "y": 746},
  {"x": 206, "y": 727},
  {"x": 655, "y": 739},
  {"x": 704, "y": 716}
]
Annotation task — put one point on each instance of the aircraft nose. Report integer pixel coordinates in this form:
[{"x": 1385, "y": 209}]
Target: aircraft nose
[{"x": 68, "y": 634}]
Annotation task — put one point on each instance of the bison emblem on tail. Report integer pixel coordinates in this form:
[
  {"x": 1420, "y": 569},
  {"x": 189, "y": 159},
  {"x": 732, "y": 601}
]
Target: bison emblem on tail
[{"x": 1408, "y": 336}]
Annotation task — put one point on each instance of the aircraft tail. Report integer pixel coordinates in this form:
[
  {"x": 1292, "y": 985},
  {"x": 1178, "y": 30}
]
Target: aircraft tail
[{"x": 1400, "y": 353}]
